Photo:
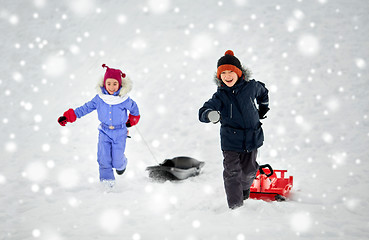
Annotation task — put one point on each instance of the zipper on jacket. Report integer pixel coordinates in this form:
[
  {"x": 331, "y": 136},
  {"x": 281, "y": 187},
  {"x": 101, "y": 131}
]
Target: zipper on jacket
[
  {"x": 253, "y": 104},
  {"x": 232, "y": 106},
  {"x": 231, "y": 110}
]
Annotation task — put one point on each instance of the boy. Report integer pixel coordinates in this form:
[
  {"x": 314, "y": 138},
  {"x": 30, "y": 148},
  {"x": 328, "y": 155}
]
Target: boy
[{"x": 241, "y": 134}]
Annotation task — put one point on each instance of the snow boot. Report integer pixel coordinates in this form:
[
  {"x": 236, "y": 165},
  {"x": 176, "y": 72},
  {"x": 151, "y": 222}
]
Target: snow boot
[
  {"x": 246, "y": 194},
  {"x": 120, "y": 172},
  {"x": 236, "y": 206}
]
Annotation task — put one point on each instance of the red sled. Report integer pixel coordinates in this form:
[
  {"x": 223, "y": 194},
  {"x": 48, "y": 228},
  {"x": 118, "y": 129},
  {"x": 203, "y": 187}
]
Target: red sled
[{"x": 268, "y": 186}]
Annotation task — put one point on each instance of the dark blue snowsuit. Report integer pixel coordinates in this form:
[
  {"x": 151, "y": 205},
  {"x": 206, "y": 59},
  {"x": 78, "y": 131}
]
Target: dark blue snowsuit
[{"x": 240, "y": 133}]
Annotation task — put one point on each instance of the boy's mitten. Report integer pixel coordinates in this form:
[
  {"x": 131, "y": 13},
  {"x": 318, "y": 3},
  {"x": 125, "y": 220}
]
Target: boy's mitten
[
  {"x": 132, "y": 120},
  {"x": 68, "y": 116},
  {"x": 262, "y": 111},
  {"x": 214, "y": 116}
]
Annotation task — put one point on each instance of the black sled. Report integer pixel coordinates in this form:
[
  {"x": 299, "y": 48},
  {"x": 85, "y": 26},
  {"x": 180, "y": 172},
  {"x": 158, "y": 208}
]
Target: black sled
[{"x": 177, "y": 168}]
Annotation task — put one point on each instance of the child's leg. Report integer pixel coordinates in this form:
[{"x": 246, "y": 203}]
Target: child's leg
[
  {"x": 104, "y": 157},
  {"x": 232, "y": 176},
  {"x": 249, "y": 168},
  {"x": 119, "y": 160}
]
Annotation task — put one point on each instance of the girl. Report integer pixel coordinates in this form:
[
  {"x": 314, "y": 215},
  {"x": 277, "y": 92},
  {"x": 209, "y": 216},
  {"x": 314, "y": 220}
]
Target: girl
[{"x": 112, "y": 104}]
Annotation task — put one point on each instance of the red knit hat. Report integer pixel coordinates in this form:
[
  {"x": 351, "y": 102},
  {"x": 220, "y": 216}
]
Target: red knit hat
[
  {"x": 229, "y": 62},
  {"x": 114, "y": 74}
]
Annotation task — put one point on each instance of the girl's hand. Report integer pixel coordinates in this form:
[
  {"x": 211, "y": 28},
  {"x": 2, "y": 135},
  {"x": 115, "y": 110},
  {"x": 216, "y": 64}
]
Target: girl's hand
[
  {"x": 62, "y": 121},
  {"x": 68, "y": 116},
  {"x": 132, "y": 120}
]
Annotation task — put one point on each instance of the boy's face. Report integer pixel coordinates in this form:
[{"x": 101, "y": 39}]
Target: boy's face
[
  {"x": 111, "y": 85},
  {"x": 229, "y": 78}
]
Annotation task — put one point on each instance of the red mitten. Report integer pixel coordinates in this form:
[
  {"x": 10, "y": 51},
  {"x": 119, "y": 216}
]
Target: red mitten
[
  {"x": 68, "y": 116},
  {"x": 132, "y": 120}
]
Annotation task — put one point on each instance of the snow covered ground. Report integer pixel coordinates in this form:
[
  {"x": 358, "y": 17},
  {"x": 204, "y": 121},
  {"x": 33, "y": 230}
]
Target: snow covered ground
[{"x": 312, "y": 55}]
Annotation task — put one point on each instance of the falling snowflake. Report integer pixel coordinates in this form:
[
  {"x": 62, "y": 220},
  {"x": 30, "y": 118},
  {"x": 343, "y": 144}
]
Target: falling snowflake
[
  {"x": 240, "y": 2},
  {"x": 136, "y": 236},
  {"x": 339, "y": 158},
  {"x": 295, "y": 80},
  {"x": 223, "y": 27},
  {"x": 11, "y": 147},
  {"x": 139, "y": 44},
  {"x": 201, "y": 46},
  {"x": 161, "y": 109},
  {"x": 74, "y": 202},
  {"x": 360, "y": 63},
  {"x": 82, "y": 7},
  {"x": 333, "y": 104},
  {"x": 36, "y": 233},
  {"x": 68, "y": 178},
  {"x": 48, "y": 191},
  {"x": 196, "y": 224},
  {"x": 39, "y": 3},
  {"x": 159, "y": 6},
  {"x": 241, "y": 237},
  {"x": 55, "y": 66},
  {"x": 308, "y": 45},
  {"x": 273, "y": 153},
  {"x": 36, "y": 171},
  {"x": 17, "y": 77},
  {"x": 352, "y": 204},
  {"x": 155, "y": 143},
  {"x": 14, "y": 19},
  {"x": 298, "y": 14},
  {"x": 45, "y": 147},
  {"x": 35, "y": 188},
  {"x": 38, "y": 118},
  {"x": 2, "y": 179},
  {"x": 327, "y": 137},
  {"x": 74, "y": 49},
  {"x": 110, "y": 220},
  {"x": 122, "y": 19},
  {"x": 301, "y": 222}
]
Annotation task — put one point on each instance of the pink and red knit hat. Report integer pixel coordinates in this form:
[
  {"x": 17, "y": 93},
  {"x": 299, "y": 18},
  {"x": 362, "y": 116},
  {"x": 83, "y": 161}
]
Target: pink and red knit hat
[{"x": 114, "y": 74}]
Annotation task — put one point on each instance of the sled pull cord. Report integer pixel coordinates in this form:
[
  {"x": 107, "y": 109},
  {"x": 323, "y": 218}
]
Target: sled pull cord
[{"x": 147, "y": 145}]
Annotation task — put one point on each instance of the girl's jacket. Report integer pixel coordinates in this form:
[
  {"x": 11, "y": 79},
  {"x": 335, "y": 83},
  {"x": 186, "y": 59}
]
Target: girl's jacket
[
  {"x": 240, "y": 126},
  {"x": 111, "y": 109}
]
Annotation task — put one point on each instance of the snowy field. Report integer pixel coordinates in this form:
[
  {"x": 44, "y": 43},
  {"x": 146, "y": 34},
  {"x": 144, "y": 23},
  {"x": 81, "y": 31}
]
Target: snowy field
[{"x": 313, "y": 56}]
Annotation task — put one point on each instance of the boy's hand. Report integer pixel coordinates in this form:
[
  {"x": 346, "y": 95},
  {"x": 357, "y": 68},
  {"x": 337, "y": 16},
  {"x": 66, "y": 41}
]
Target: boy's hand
[
  {"x": 214, "y": 116},
  {"x": 262, "y": 111},
  {"x": 68, "y": 116}
]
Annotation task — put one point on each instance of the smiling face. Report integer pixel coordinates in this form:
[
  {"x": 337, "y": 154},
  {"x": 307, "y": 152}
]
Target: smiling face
[
  {"x": 229, "y": 78},
  {"x": 111, "y": 85}
]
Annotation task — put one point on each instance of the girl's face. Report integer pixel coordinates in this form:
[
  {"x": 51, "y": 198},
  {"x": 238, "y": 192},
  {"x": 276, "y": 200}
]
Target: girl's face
[
  {"x": 229, "y": 78},
  {"x": 111, "y": 85}
]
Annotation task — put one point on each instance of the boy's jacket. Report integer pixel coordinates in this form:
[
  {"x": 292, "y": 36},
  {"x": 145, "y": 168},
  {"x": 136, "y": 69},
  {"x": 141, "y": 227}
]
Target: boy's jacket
[{"x": 240, "y": 126}]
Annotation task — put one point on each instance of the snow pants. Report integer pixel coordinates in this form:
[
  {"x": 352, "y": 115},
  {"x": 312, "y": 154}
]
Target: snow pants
[
  {"x": 240, "y": 169},
  {"x": 110, "y": 151}
]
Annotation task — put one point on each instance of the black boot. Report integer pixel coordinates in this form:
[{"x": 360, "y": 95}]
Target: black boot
[
  {"x": 246, "y": 194},
  {"x": 120, "y": 172}
]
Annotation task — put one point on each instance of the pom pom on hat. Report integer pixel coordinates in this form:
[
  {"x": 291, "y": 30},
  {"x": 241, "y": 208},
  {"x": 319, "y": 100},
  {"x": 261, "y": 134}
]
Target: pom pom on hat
[
  {"x": 229, "y": 62},
  {"x": 229, "y": 52},
  {"x": 114, "y": 74}
]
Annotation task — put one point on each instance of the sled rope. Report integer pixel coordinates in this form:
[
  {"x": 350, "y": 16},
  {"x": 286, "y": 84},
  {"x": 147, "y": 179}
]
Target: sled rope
[{"x": 147, "y": 145}]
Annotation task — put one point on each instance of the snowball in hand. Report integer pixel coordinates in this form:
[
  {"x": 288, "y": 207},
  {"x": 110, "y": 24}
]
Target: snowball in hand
[{"x": 214, "y": 116}]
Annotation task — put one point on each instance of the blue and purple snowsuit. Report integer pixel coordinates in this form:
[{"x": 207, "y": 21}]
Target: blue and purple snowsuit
[{"x": 112, "y": 113}]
